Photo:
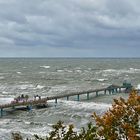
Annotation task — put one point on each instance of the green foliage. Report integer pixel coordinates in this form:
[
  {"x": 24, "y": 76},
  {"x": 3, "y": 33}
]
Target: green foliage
[
  {"x": 63, "y": 132},
  {"x": 17, "y": 136}
]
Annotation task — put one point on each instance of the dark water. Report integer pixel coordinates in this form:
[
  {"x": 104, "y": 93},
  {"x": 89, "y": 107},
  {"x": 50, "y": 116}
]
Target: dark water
[{"x": 48, "y": 77}]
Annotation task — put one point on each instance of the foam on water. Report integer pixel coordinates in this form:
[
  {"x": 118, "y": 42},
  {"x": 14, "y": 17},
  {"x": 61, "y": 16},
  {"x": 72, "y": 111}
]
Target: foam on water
[
  {"x": 42, "y": 72},
  {"x": 60, "y": 70},
  {"x": 121, "y": 71},
  {"x": 18, "y": 72},
  {"x": 138, "y": 86},
  {"x": 69, "y": 71},
  {"x": 102, "y": 80},
  {"x": 79, "y": 71},
  {"x": 86, "y": 105},
  {"x": 2, "y": 77},
  {"x": 25, "y": 86},
  {"x": 46, "y": 67},
  {"x": 5, "y": 100},
  {"x": 39, "y": 87}
]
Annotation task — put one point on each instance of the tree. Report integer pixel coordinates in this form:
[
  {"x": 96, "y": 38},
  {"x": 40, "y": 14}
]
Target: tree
[
  {"x": 122, "y": 120},
  {"x": 17, "y": 136}
]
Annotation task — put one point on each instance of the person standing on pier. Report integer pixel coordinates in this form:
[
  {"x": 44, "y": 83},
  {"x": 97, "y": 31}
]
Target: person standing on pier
[{"x": 26, "y": 97}]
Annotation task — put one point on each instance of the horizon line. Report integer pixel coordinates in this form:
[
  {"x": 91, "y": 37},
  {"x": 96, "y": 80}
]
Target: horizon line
[{"x": 70, "y": 57}]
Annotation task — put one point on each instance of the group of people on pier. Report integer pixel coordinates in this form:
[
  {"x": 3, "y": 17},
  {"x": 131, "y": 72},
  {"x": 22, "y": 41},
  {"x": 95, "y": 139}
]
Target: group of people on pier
[
  {"x": 22, "y": 98},
  {"x": 37, "y": 97}
]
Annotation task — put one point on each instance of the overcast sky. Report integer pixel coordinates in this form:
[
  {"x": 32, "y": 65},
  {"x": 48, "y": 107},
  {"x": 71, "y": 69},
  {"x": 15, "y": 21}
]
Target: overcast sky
[{"x": 69, "y": 28}]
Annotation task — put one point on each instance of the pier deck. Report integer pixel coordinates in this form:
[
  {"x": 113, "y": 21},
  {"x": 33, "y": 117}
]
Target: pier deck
[{"x": 43, "y": 101}]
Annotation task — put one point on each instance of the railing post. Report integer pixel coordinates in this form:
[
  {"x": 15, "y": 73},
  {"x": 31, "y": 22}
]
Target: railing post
[
  {"x": 56, "y": 100},
  {"x": 1, "y": 112},
  {"x": 96, "y": 93},
  {"x": 105, "y": 91},
  {"x": 112, "y": 90},
  {"x": 78, "y": 97},
  {"x": 87, "y": 96},
  {"x": 29, "y": 107},
  {"x": 67, "y": 98},
  {"x": 120, "y": 90}
]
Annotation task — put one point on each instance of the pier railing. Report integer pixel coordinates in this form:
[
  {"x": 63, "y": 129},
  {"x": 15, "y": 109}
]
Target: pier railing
[{"x": 111, "y": 89}]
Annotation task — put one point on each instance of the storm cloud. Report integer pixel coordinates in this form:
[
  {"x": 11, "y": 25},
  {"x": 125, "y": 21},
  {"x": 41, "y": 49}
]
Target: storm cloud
[{"x": 69, "y": 28}]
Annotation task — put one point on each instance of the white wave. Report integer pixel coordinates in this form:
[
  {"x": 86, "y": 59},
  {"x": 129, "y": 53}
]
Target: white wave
[
  {"x": 119, "y": 71},
  {"x": 60, "y": 70},
  {"x": 65, "y": 89},
  {"x": 23, "y": 87},
  {"x": 5, "y": 121},
  {"x": 2, "y": 77},
  {"x": 110, "y": 70},
  {"x": 134, "y": 70},
  {"x": 89, "y": 69},
  {"x": 77, "y": 68},
  {"x": 5, "y": 134},
  {"x": 5, "y": 100},
  {"x": 58, "y": 88},
  {"x": 138, "y": 86},
  {"x": 42, "y": 72},
  {"x": 86, "y": 105},
  {"x": 46, "y": 67},
  {"x": 69, "y": 71},
  {"x": 79, "y": 71},
  {"x": 4, "y": 92},
  {"x": 102, "y": 80},
  {"x": 18, "y": 72},
  {"x": 40, "y": 87}
]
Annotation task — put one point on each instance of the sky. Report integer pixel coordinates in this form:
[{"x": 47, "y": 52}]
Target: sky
[{"x": 69, "y": 28}]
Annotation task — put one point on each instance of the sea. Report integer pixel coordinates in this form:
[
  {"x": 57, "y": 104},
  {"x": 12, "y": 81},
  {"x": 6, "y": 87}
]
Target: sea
[{"x": 58, "y": 76}]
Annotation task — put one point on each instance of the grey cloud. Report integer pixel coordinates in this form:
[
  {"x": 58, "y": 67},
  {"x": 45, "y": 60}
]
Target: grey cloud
[{"x": 75, "y": 24}]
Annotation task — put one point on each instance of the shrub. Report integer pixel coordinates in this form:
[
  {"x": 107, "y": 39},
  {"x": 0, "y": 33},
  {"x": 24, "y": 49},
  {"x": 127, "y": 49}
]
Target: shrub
[{"x": 122, "y": 120}]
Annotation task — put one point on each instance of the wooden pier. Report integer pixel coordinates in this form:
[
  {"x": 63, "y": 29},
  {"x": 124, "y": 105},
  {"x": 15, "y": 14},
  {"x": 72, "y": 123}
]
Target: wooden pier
[{"x": 112, "y": 89}]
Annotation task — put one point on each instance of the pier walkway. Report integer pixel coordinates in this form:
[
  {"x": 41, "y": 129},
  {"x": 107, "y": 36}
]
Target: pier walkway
[{"x": 112, "y": 89}]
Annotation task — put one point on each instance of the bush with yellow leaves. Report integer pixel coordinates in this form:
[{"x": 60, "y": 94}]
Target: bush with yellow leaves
[{"x": 122, "y": 121}]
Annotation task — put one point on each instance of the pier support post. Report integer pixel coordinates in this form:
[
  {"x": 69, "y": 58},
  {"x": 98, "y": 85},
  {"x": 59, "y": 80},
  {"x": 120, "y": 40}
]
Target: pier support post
[
  {"x": 56, "y": 100},
  {"x": 78, "y": 97},
  {"x": 112, "y": 91},
  {"x": 109, "y": 91},
  {"x": 29, "y": 107},
  {"x": 116, "y": 90},
  {"x": 1, "y": 112},
  {"x": 120, "y": 90},
  {"x": 105, "y": 92},
  {"x": 67, "y": 98},
  {"x": 96, "y": 93},
  {"x": 87, "y": 96}
]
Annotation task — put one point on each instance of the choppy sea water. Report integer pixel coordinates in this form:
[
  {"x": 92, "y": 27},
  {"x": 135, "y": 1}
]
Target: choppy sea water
[{"x": 48, "y": 77}]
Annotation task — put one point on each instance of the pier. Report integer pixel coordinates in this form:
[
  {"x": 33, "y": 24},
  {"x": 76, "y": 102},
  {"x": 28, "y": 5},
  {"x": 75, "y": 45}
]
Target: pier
[{"x": 112, "y": 89}]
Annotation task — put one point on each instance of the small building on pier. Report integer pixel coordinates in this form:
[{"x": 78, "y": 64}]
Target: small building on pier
[{"x": 127, "y": 85}]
